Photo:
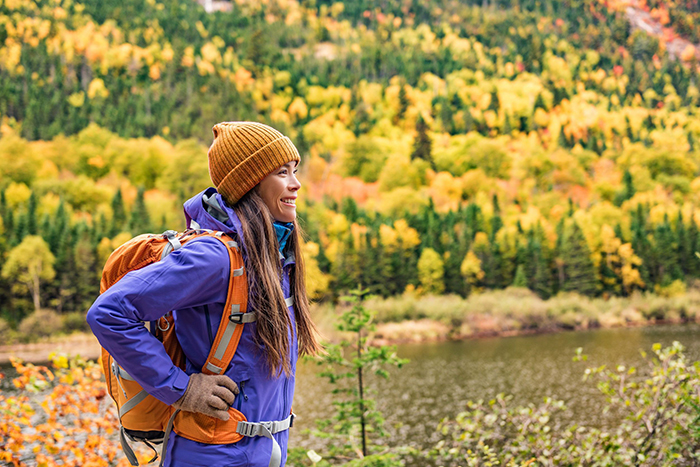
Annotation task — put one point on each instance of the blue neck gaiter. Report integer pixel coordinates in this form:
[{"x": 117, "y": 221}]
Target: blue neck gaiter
[{"x": 283, "y": 230}]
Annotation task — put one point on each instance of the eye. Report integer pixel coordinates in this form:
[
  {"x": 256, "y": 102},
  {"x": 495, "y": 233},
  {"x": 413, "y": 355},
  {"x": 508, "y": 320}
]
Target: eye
[{"x": 282, "y": 172}]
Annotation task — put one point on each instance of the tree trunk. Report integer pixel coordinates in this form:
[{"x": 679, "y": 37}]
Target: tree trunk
[
  {"x": 35, "y": 287},
  {"x": 361, "y": 389}
]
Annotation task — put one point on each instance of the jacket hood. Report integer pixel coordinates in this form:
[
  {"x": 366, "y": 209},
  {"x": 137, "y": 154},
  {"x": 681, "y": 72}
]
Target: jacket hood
[{"x": 208, "y": 210}]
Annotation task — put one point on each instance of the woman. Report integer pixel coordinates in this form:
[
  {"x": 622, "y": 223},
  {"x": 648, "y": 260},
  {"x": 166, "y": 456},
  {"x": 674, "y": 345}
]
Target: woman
[{"x": 253, "y": 168}]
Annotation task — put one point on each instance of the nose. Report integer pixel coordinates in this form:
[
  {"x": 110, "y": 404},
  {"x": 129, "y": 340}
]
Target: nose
[{"x": 294, "y": 183}]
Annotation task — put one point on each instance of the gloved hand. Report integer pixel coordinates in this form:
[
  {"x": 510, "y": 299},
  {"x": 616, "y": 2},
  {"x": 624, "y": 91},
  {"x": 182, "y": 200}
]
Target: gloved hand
[{"x": 208, "y": 394}]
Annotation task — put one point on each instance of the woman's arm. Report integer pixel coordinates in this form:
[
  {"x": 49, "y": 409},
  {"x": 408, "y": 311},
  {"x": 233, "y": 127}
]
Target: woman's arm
[{"x": 194, "y": 275}]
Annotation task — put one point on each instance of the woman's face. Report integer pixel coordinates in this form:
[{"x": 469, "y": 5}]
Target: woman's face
[{"x": 279, "y": 192}]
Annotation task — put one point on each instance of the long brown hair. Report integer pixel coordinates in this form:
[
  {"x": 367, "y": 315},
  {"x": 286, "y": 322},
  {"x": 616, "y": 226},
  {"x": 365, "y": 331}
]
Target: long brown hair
[{"x": 264, "y": 288}]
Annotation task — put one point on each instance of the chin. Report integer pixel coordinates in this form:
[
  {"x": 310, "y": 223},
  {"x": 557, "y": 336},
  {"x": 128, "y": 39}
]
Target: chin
[{"x": 286, "y": 218}]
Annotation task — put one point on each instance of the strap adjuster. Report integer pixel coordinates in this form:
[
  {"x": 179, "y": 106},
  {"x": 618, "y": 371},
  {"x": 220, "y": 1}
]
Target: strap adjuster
[
  {"x": 236, "y": 318},
  {"x": 291, "y": 419}
]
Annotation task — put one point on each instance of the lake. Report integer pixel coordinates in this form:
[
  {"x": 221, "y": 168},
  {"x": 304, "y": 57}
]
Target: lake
[{"x": 442, "y": 377}]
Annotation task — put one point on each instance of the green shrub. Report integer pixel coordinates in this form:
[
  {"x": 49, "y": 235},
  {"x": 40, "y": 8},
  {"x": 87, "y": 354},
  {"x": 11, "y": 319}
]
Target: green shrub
[
  {"x": 5, "y": 332},
  {"x": 75, "y": 321},
  {"x": 394, "y": 309},
  {"x": 40, "y": 324},
  {"x": 571, "y": 310},
  {"x": 660, "y": 408}
]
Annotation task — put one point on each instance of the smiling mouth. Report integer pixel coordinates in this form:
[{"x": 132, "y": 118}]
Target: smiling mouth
[{"x": 289, "y": 201}]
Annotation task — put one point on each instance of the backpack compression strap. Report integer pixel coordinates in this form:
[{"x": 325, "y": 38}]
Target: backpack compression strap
[{"x": 234, "y": 315}]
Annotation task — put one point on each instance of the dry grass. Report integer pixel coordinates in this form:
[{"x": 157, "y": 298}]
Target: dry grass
[{"x": 411, "y": 318}]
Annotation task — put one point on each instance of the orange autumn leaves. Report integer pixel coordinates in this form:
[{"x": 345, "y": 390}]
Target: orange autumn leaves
[{"x": 58, "y": 417}]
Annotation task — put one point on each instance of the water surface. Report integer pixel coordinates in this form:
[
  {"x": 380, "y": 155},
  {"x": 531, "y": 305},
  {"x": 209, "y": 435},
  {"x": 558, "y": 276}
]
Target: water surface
[{"x": 442, "y": 377}]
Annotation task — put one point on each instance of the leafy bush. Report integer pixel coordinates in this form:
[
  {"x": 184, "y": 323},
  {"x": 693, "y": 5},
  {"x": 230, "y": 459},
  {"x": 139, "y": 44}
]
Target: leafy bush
[
  {"x": 42, "y": 323},
  {"x": 75, "y": 321},
  {"x": 660, "y": 427},
  {"x": 5, "y": 331}
]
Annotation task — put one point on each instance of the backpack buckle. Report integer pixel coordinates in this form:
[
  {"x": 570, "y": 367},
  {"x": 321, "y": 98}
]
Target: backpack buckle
[{"x": 236, "y": 318}]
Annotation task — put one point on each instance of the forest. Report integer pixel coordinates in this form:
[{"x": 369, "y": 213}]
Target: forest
[{"x": 448, "y": 147}]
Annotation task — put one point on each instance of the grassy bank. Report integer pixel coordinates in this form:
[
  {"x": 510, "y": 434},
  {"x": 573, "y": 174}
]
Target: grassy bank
[
  {"x": 411, "y": 318},
  {"x": 414, "y": 318}
]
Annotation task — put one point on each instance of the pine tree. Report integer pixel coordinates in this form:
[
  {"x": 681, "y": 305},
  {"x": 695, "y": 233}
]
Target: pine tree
[
  {"x": 473, "y": 219},
  {"x": 422, "y": 144},
  {"x": 496, "y": 221},
  {"x": 542, "y": 280},
  {"x": 520, "y": 277},
  {"x": 86, "y": 272},
  {"x": 495, "y": 103},
  {"x": 118, "y": 214},
  {"x": 139, "y": 221},
  {"x": 403, "y": 103},
  {"x": 628, "y": 190},
  {"x": 32, "y": 223},
  {"x": 686, "y": 255},
  {"x": 693, "y": 237},
  {"x": 20, "y": 230},
  {"x": 666, "y": 253},
  {"x": 578, "y": 267},
  {"x": 539, "y": 102},
  {"x": 58, "y": 227}
]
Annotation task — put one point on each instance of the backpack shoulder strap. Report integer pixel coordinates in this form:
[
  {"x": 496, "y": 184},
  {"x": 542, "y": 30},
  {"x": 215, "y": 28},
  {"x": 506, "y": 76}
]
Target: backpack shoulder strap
[{"x": 235, "y": 311}]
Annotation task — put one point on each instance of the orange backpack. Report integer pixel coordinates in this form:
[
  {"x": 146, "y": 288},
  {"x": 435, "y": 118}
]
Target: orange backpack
[{"x": 142, "y": 417}]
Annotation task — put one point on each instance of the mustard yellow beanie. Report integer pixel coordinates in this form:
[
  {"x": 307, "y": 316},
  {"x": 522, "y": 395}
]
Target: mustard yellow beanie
[{"x": 243, "y": 153}]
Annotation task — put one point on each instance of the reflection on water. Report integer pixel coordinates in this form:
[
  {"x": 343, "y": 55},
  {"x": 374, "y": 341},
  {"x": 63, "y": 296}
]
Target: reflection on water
[{"x": 441, "y": 377}]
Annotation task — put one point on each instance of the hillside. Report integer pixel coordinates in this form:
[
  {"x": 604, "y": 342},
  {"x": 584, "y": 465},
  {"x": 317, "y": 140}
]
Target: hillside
[{"x": 449, "y": 147}]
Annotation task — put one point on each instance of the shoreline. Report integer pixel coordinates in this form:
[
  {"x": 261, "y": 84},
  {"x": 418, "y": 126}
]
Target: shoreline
[
  {"x": 82, "y": 344},
  {"x": 421, "y": 339},
  {"x": 396, "y": 333}
]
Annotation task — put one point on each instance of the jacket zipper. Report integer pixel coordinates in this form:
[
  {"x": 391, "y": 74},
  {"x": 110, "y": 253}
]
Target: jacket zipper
[
  {"x": 241, "y": 392},
  {"x": 287, "y": 408}
]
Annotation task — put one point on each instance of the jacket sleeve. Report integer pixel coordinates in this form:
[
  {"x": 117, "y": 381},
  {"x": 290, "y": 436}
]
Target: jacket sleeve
[{"x": 195, "y": 275}]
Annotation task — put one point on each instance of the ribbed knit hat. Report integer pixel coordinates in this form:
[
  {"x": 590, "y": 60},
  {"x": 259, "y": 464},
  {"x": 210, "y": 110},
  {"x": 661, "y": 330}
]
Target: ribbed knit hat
[{"x": 243, "y": 153}]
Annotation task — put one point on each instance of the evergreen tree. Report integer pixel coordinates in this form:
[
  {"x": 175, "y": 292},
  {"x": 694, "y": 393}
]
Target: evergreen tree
[
  {"x": 87, "y": 271},
  {"x": 32, "y": 223},
  {"x": 685, "y": 253},
  {"x": 422, "y": 144},
  {"x": 562, "y": 141},
  {"x": 665, "y": 250},
  {"x": 542, "y": 280},
  {"x": 693, "y": 237},
  {"x": 20, "y": 230},
  {"x": 403, "y": 103},
  {"x": 520, "y": 277},
  {"x": 58, "y": 228},
  {"x": 473, "y": 219},
  {"x": 118, "y": 214},
  {"x": 495, "y": 103},
  {"x": 628, "y": 190},
  {"x": 349, "y": 208},
  {"x": 496, "y": 221},
  {"x": 139, "y": 221},
  {"x": 578, "y": 267},
  {"x": 454, "y": 283}
]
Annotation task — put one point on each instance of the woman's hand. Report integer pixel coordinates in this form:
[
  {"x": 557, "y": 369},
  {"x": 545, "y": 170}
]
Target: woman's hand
[{"x": 209, "y": 395}]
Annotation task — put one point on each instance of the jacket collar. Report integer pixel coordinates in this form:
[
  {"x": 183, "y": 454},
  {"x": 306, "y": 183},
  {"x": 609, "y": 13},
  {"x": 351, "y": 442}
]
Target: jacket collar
[{"x": 208, "y": 210}]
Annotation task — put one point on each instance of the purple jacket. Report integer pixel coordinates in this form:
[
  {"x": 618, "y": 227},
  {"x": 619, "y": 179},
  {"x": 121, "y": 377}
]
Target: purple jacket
[{"x": 189, "y": 281}]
